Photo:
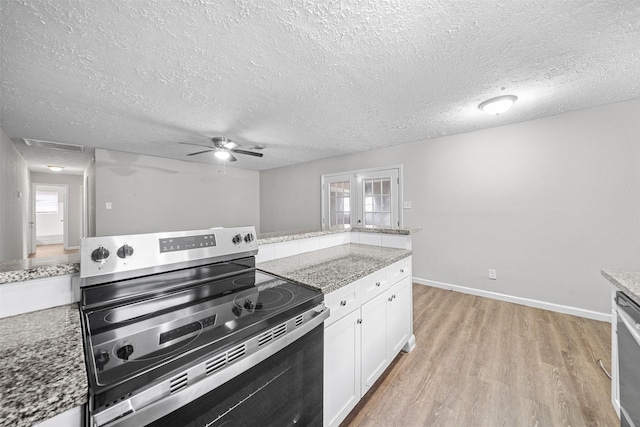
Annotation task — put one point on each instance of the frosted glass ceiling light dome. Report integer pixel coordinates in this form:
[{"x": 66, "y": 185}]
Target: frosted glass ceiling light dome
[
  {"x": 222, "y": 155},
  {"x": 55, "y": 168},
  {"x": 498, "y": 105}
]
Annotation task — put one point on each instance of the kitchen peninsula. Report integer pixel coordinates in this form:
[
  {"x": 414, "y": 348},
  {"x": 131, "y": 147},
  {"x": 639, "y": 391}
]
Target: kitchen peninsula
[{"x": 61, "y": 388}]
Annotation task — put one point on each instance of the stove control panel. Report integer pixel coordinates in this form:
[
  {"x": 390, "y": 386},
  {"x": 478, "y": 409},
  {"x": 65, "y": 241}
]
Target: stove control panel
[{"x": 115, "y": 254}]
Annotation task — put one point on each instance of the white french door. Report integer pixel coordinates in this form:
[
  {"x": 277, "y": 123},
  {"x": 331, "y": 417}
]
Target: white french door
[{"x": 370, "y": 198}]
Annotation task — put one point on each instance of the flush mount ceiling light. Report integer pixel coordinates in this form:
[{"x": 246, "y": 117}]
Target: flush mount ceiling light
[
  {"x": 498, "y": 105},
  {"x": 55, "y": 168},
  {"x": 222, "y": 155}
]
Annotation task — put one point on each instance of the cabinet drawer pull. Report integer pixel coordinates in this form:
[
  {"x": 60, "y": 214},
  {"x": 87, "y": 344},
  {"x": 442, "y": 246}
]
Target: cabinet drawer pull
[
  {"x": 402, "y": 270},
  {"x": 377, "y": 283},
  {"x": 359, "y": 321},
  {"x": 390, "y": 299},
  {"x": 343, "y": 303}
]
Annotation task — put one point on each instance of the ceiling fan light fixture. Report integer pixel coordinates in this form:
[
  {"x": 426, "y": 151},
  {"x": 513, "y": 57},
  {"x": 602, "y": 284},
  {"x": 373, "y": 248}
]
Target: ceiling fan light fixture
[
  {"x": 498, "y": 105},
  {"x": 222, "y": 155},
  {"x": 55, "y": 168}
]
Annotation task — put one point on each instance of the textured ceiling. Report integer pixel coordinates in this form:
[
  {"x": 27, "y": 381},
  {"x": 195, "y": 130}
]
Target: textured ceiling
[{"x": 308, "y": 79}]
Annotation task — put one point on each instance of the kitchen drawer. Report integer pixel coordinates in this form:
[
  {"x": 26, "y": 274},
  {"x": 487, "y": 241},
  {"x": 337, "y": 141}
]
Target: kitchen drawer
[
  {"x": 374, "y": 284},
  {"x": 342, "y": 302},
  {"x": 399, "y": 270}
]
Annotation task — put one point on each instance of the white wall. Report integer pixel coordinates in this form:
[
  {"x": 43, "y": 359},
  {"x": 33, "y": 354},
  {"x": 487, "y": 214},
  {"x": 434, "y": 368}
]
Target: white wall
[
  {"x": 152, "y": 194},
  {"x": 74, "y": 200},
  {"x": 547, "y": 203},
  {"x": 14, "y": 197}
]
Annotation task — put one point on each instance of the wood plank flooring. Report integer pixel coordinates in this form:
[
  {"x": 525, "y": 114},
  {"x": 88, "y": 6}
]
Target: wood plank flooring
[
  {"x": 52, "y": 250},
  {"x": 483, "y": 362}
]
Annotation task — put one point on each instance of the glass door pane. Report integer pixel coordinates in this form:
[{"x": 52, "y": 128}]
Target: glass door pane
[
  {"x": 378, "y": 198},
  {"x": 338, "y": 195}
]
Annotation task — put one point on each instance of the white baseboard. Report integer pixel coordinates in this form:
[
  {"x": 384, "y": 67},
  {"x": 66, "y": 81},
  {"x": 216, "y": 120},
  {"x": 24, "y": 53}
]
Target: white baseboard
[{"x": 558, "y": 308}]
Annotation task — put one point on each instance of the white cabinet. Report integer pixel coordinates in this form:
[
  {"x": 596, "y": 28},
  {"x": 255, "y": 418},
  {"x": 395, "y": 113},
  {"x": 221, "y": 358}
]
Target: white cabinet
[
  {"x": 399, "y": 316},
  {"x": 370, "y": 322},
  {"x": 341, "y": 368},
  {"x": 375, "y": 356},
  {"x": 71, "y": 418}
]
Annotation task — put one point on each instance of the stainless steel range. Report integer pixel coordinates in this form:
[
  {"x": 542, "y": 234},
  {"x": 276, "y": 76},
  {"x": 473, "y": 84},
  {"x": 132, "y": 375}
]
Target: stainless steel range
[{"x": 181, "y": 329}]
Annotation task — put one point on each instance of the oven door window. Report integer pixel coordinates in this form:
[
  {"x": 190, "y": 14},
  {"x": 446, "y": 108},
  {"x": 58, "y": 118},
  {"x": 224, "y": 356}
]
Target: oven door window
[{"x": 283, "y": 390}]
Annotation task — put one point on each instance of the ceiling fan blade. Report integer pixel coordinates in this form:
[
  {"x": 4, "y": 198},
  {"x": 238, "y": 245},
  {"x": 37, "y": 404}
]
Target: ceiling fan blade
[
  {"x": 200, "y": 152},
  {"x": 250, "y": 153},
  {"x": 231, "y": 158},
  {"x": 197, "y": 145}
]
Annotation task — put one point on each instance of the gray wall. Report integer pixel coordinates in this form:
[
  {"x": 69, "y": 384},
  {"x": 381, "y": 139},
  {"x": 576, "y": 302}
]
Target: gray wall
[
  {"x": 547, "y": 203},
  {"x": 89, "y": 180},
  {"x": 14, "y": 210},
  {"x": 74, "y": 198},
  {"x": 150, "y": 194}
]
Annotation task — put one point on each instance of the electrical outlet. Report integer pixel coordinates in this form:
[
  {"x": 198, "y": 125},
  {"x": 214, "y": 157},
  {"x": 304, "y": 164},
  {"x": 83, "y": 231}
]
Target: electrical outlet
[
  {"x": 406, "y": 204},
  {"x": 108, "y": 205},
  {"x": 492, "y": 274}
]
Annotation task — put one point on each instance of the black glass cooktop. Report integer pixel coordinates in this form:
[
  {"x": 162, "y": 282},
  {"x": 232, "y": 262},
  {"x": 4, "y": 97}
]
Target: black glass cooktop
[{"x": 132, "y": 335}]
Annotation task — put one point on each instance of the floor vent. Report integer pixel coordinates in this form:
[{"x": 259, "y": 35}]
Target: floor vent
[
  {"x": 235, "y": 353},
  {"x": 278, "y": 331},
  {"x": 299, "y": 321},
  {"x": 216, "y": 363},
  {"x": 178, "y": 383},
  {"x": 53, "y": 145}
]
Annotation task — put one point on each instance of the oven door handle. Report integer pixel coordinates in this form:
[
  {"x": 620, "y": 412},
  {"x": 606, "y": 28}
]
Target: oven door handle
[{"x": 159, "y": 400}]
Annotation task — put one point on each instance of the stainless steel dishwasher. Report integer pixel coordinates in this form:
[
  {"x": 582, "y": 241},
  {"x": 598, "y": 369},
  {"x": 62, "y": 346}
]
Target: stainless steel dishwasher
[{"x": 629, "y": 360}]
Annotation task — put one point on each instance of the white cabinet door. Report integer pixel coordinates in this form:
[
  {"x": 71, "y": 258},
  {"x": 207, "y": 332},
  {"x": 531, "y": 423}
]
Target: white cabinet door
[
  {"x": 374, "y": 341},
  {"x": 398, "y": 316},
  {"x": 341, "y": 368}
]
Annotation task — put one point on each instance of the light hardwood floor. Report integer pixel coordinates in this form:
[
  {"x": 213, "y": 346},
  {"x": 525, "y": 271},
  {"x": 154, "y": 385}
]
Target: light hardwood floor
[
  {"x": 51, "y": 250},
  {"x": 482, "y": 362}
]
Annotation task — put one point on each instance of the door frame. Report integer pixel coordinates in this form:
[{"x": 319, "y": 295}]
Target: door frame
[
  {"x": 324, "y": 203},
  {"x": 65, "y": 214}
]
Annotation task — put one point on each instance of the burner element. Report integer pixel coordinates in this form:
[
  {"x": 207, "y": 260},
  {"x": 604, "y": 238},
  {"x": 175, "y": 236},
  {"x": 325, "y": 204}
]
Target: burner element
[{"x": 268, "y": 299}]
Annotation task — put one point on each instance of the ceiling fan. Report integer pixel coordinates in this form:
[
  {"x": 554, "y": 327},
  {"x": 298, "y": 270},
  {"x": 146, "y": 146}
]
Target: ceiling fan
[{"x": 222, "y": 149}]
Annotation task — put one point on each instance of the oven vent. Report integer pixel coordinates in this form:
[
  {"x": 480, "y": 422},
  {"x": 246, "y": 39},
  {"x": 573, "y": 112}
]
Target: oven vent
[
  {"x": 278, "y": 331},
  {"x": 299, "y": 321},
  {"x": 216, "y": 363},
  {"x": 235, "y": 353},
  {"x": 265, "y": 338},
  {"x": 178, "y": 383}
]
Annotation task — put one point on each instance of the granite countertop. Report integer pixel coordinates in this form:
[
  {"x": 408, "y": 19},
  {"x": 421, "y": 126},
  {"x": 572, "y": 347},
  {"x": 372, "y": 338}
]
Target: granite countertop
[
  {"x": 403, "y": 231},
  {"x": 39, "y": 268},
  {"x": 286, "y": 236},
  {"x": 42, "y": 370},
  {"x": 628, "y": 282},
  {"x": 277, "y": 237},
  {"x": 330, "y": 269}
]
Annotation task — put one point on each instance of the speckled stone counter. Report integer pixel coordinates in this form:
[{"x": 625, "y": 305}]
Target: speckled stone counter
[
  {"x": 38, "y": 268},
  {"x": 330, "y": 269},
  {"x": 286, "y": 236},
  {"x": 42, "y": 370},
  {"x": 391, "y": 230},
  {"x": 627, "y": 282}
]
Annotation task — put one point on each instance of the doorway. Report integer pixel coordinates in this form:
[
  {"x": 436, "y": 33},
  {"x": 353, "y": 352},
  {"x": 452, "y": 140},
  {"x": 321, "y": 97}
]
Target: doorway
[
  {"x": 49, "y": 223},
  {"x": 363, "y": 198}
]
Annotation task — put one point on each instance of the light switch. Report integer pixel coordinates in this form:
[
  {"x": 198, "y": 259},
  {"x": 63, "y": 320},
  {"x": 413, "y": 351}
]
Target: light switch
[
  {"x": 107, "y": 205},
  {"x": 406, "y": 204}
]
